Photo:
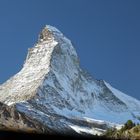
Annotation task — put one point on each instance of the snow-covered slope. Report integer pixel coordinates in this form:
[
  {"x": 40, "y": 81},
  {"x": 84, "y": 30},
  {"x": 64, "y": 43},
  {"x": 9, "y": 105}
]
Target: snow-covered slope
[{"x": 54, "y": 91}]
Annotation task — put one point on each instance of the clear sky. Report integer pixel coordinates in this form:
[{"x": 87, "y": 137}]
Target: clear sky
[{"x": 106, "y": 35}]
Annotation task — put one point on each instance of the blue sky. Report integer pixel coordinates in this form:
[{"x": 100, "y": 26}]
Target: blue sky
[{"x": 106, "y": 35}]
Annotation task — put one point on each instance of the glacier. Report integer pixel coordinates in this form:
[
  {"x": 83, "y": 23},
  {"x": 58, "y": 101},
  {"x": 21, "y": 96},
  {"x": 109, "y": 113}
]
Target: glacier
[{"x": 53, "y": 94}]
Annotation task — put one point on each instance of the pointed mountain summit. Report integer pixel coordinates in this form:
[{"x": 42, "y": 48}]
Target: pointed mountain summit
[{"x": 52, "y": 94}]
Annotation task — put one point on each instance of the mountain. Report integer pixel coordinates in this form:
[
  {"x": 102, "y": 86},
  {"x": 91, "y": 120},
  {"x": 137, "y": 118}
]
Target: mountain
[{"x": 52, "y": 94}]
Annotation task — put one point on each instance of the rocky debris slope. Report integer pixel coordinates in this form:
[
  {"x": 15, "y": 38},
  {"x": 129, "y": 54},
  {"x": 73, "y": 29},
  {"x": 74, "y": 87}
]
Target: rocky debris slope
[{"x": 52, "y": 93}]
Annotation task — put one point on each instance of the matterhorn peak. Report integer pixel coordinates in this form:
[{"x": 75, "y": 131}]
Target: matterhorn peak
[
  {"x": 53, "y": 52},
  {"x": 51, "y": 93},
  {"x": 48, "y": 33},
  {"x": 45, "y": 35}
]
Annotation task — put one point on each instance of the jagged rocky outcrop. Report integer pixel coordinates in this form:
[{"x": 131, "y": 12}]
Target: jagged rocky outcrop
[
  {"x": 52, "y": 94},
  {"x": 13, "y": 120}
]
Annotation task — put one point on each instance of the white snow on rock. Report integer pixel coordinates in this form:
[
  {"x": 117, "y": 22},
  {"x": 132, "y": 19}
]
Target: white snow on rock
[{"x": 54, "y": 90}]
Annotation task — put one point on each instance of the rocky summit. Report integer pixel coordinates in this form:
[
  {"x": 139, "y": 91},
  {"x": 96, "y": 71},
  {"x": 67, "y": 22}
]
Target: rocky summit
[{"x": 52, "y": 94}]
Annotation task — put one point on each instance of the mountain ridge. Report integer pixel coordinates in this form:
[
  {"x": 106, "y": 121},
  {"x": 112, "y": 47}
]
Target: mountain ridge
[{"x": 53, "y": 90}]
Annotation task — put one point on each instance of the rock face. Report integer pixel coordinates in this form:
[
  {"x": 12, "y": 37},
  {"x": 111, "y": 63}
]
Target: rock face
[{"x": 52, "y": 94}]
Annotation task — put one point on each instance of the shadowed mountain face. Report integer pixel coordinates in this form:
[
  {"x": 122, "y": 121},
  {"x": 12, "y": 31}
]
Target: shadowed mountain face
[{"x": 52, "y": 94}]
